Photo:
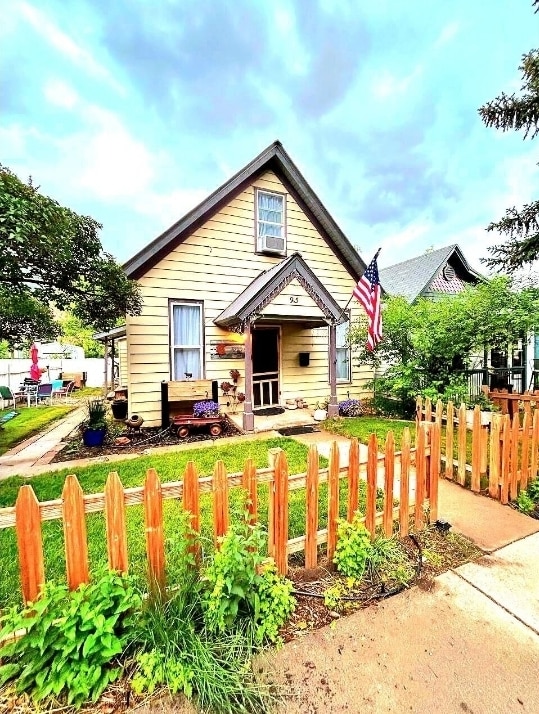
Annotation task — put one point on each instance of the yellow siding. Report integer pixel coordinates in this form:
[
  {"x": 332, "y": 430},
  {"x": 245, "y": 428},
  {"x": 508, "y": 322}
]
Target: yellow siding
[
  {"x": 122, "y": 359},
  {"x": 214, "y": 265}
]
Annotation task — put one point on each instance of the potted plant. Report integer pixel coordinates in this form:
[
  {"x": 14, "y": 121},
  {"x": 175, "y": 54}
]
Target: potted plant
[{"x": 95, "y": 426}]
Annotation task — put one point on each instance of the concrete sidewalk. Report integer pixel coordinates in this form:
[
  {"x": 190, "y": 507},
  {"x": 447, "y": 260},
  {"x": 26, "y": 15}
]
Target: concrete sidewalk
[{"x": 39, "y": 450}]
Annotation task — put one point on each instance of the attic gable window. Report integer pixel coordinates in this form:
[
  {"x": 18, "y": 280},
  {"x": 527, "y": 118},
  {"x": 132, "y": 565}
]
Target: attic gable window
[{"x": 270, "y": 222}]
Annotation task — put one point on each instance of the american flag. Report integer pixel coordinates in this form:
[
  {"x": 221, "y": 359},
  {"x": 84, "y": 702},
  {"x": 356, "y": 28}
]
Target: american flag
[{"x": 367, "y": 291}]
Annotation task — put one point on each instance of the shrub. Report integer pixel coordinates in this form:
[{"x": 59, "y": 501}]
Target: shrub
[
  {"x": 70, "y": 639},
  {"x": 238, "y": 586},
  {"x": 350, "y": 408},
  {"x": 353, "y": 547}
]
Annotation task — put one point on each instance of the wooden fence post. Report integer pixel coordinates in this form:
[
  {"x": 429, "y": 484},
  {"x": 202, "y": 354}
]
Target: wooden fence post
[
  {"x": 191, "y": 505},
  {"x": 461, "y": 468},
  {"x": 506, "y": 456},
  {"x": 476, "y": 450},
  {"x": 115, "y": 523},
  {"x": 449, "y": 430},
  {"x": 404, "y": 492},
  {"x": 495, "y": 458},
  {"x": 76, "y": 543},
  {"x": 525, "y": 453},
  {"x": 372, "y": 473},
  {"x": 353, "y": 479},
  {"x": 515, "y": 439},
  {"x": 333, "y": 499},
  {"x": 420, "y": 468},
  {"x": 153, "y": 521},
  {"x": 280, "y": 513},
  {"x": 29, "y": 543},
  {"x": 428, "y": 409},
  {"x": 220, "y": 501},
  {"x": 250, "y": 484},
  {"x": 434, "y": 475},
  {"x": 311, "y": 508},
  {"x": 418, "y": 412},
  {"x": 389, "y": 476},
  {"x": 272, "y": 459}
]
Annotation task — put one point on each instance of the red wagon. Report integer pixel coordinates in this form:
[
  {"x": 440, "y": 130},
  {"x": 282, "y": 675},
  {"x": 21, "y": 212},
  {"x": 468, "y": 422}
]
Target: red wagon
[{"x": 183, "y": 423}]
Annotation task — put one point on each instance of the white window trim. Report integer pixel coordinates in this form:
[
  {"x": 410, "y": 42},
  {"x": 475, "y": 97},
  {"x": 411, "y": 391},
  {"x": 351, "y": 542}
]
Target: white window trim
[
  {"x": 348, "y": 348},
  {"x": 282, "y": 196},
  {"x": 174, "y": 347}
]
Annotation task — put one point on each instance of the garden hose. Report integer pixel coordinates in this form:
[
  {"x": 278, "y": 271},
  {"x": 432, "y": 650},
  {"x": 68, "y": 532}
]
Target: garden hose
[{"x": 383, "y": 592}]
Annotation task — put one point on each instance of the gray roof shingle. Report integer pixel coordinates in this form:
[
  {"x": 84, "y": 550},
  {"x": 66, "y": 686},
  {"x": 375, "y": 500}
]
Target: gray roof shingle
[{"x": 412, "y": 277}]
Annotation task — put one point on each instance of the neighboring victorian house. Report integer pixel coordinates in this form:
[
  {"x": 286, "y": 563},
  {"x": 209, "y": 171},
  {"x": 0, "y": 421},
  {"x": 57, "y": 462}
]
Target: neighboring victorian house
[
  {"x": 446, "y": 271},
  {"x": 256, "y": 279}
]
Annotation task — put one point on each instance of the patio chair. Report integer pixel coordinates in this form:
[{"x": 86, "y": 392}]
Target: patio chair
[
  {"x": 6, "y": 394},
  {"x": 42, "y": 393},
  {"x": 63, "y": 391}
]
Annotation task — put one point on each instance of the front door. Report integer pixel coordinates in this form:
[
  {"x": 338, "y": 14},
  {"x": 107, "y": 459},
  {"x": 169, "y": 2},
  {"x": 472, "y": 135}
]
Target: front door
[{"x": 265, "y": 366}]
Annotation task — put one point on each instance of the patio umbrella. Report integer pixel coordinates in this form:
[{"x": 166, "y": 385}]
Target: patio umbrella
[{"x": 35, "y": 372}]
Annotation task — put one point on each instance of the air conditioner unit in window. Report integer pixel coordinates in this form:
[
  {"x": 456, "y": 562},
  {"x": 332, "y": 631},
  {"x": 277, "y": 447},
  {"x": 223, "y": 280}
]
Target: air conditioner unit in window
[{"x": 272, "y": 244}]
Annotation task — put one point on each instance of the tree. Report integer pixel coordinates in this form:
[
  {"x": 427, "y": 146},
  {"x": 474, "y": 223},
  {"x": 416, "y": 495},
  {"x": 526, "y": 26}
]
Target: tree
[
  {"x": 51, "y": 256},
  {"x": 517, "y": 113},
  {"x": 429, "y": 342},
  {"x": 75, "y": 333}
]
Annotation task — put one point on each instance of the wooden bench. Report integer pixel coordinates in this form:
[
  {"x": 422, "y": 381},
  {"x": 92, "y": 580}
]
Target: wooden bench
[{"x": 178, "y": 398}]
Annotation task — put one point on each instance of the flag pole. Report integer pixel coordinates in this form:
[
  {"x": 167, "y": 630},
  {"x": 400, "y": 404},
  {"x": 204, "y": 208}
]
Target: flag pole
[{"x": 352, "y": 295}]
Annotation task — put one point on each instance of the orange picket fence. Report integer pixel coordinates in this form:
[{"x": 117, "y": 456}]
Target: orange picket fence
[
  {"x": 487, "y": 451},
  {"x": 411, "y": 474}
]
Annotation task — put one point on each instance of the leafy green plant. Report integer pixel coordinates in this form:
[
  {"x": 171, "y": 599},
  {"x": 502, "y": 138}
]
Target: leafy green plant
[
  {"x": 239, "y": 585},
  {"x": 70, "y": 639},
  {"x": 353, "y": 547},
  {"x": 525, "y": 503},
  {"x": 533, "y": 490},
  {"x": 172, "y": 647},
  {"x": 97, "y": 414}
]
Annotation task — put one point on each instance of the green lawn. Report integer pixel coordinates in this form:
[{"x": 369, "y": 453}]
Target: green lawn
[
  {"x": 29, "y": 421},
  {"x": 170, "y": 467},
  {"x": 362, "y": 427}
]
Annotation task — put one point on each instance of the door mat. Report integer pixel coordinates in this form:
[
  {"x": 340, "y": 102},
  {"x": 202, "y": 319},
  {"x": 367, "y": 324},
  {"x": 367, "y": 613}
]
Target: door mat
[
  {"x": 268, "y": 411},
  {"x": 295, "y": 430}
]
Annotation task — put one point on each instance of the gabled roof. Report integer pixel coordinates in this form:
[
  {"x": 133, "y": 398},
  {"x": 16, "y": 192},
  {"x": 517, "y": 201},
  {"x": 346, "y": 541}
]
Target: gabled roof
[
  {"x": 273, "y": 158},
  {"x": 413, "y": 277},
  {"x": 269, "y": 284}
]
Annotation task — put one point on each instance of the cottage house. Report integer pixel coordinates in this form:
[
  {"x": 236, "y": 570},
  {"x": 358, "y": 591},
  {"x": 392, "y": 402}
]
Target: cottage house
[
  {"x": 447, "y": 272},
  {"x": 256, "y": 278}
]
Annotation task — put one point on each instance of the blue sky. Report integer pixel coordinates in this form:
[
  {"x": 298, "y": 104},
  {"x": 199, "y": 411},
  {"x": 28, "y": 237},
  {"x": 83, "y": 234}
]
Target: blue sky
[{"x": 132, "y": 112}]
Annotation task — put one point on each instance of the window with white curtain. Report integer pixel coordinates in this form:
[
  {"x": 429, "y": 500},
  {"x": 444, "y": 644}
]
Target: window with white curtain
[
  {"x": 344, "y": 352},
  {"x": 270, "y": 222},
  {"x": 187, "y": 340}
]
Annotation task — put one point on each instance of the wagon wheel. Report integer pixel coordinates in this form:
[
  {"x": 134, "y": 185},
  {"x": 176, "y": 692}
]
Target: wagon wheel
[
  {"x": 215, "y": 429},
  {"x": 183, "y": 431}
]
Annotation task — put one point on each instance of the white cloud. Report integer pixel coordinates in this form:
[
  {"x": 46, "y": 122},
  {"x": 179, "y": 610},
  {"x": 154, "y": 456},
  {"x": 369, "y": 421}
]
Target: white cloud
[
  {"x": 388, "y": 85},
  {"x": 66, "y": 45},
  {"x": 60, "y": 94},
  {"x": 447, "y": 34}
]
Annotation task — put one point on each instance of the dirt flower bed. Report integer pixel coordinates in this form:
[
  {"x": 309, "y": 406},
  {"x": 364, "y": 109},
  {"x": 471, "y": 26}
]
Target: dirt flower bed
[
  {"x": 145, "y": 438},
  {"x": 439, "y": 552}
]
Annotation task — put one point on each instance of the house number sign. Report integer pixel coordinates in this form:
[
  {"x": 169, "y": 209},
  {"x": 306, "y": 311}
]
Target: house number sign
[{"x": 294, "y": 299}]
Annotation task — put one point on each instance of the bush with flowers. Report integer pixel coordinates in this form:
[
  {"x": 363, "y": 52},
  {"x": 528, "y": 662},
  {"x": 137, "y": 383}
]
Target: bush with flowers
[
  {"x": 205, "y": 409},
  {"x": 350, "y": 408}
]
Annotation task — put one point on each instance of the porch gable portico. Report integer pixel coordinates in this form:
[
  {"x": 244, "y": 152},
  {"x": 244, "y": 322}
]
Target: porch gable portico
[{"x": 289, "y": 291}]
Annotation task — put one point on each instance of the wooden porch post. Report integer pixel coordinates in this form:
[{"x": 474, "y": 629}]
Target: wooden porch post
[
  {"x": 333, "y": 407},
  {"x": 248, "y": 416},
  {"x": 105, "y": 367}
]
